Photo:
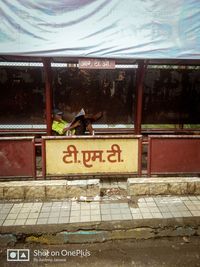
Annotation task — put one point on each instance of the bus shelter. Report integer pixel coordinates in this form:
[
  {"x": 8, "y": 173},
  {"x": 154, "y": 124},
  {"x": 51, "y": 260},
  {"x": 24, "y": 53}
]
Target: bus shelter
[{"x": 143, "y": 75}]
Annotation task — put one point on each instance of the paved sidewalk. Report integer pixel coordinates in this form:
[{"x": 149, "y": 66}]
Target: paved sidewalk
[{"x": 64, "y": 212}]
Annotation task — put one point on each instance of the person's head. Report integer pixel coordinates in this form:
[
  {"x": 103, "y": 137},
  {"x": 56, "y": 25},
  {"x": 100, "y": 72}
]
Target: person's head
[{"x": 57, "y": 114}]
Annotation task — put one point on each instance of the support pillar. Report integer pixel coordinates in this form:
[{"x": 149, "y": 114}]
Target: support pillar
[
  {"x": 48, "y": 93},
  {"x": 139, "y": 95}
]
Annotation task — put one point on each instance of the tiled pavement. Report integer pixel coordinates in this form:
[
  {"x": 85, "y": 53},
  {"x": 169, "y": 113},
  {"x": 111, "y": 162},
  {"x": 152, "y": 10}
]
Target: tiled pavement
[{"x": 54, "y": 212}]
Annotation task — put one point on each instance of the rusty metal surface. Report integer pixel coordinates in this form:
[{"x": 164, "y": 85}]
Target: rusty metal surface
[
  {"x": 17, "y": 157},
  {"x": 174, "y": 154}
]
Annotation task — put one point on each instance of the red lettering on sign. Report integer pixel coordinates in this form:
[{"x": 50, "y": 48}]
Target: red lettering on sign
[
  {"x": 71, "y": 152},
  {"x": 89, "y": 156}
]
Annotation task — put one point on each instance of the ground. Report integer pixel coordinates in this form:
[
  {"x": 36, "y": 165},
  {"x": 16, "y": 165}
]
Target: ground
[{"x": 165, "y": 252}]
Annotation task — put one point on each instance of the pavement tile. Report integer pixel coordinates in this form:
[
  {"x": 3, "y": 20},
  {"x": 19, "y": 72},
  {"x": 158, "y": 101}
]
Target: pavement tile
[
  {"x": 164, "y": 209},
  {"x": 8, "y": 222},
  {"x": 12, "y": 216},
  {"x": 57, "y": 204},
  {"x": 167, "y": 215},
  {"x": 144, "y": 210},
  {"x": 125, "y": 211},
  {"x": 63, "y": 220},
  {"x": 85, "y": 213},
  {"x": 35, "y": 210},
  {"x": 55, "y": 209},
  {"x": 105, "y": 206},
  {"x": 147, "y": 215},
  {"x": 8, "y": 205},
  {"x": 141, "y": 200},
  {"x": 115, "y": 211},
  {"x": 20, "y": 222},
  {"x": 195, "y": 212},
  {"x": 75, "y": 207},
  {"x": 105, "y": 212},
  {"x": 124, "y": 205},
  {"x": 64, "y": 214},
  {"x": 75, "y": 213},
  {"x": 149, "y": 199},
  {"x": 3, "y": 216},
  {"x": 195, "y": 202},
  {"x": 176, "y": 214},
  {"x": 186, "y": 214},
  {"x": 52, "y": 220},
  {"x": 193, "y": 198},
  {"x": 154, "y": 209},
  {"x": 85, "y": 206},
  {"x": 42, "y": 220},
  {"x": 44, "y": 215},
  {"x": 106, "y": 217},
  {"x": 95, "y": 218},
  {"x": 58, "y": 212},
  {"x": 157, "y": 215},
  {"x": 25, "y": 210},
  {"x": 127, "y": 216},
  {"x": 116, "y": 216},
  {"x": 74, "y": 219},
  {"x": 65, "y": 208},
  {"x": 137, "y": 216},
  {"x": 135, "y": 210},
  {"x": 85, "y": 219},
  {"x": 191, "y": 207},
  {"x": 114, "y": 206},
  {"x": 198, "y": 207},
  {"x": 54, "y": 214},
  {"x": 47, "y": 204},
  {"x": 5, "y": 210},
  {"x": 30, "y": 221},
  {"x": 15, "y": 210},
  {"x": 23, "y": 215},
  {"x": 28, "y": 205},
  {"x": 151, "y": 204},
  {"x": 37, "y": 204},
  {"x": 142, "y": 205},
  {"x": 46, "y": 209},
  {"x": 184, "y": 198},
  {"x": 95, "y": 207},
  {"x": 66, "y": 205},
  {"x": 95, "y": 212},
  {"x": 33, "y": 215}
]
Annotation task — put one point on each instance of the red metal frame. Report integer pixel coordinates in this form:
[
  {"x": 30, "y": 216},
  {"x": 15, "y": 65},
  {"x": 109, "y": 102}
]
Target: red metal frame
[
  {"x": 140, "y": 155},
  {"x": 31, "y": 153},
  {"x": 48, "y": 93},
  {"x": 139, "y": 95},
  {"x": 139, "y": 137},
  {"x": 152, "y": 156}
]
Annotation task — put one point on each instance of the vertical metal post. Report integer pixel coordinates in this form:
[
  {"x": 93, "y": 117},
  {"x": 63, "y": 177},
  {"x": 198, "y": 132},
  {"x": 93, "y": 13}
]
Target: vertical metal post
[
  {"x": 48, "y": 93},
  {"x": 139, "y": 95}
]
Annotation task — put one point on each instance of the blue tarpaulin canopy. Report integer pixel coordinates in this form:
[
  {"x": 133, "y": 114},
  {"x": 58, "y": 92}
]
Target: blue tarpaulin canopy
[{"x": 129, "y": 29}]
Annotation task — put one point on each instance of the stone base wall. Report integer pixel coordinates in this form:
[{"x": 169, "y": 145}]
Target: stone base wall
[
  {"x": 163, "y": 186},
  {"x": 53, "y": 189},
  {"x": 91, "y": 188}
]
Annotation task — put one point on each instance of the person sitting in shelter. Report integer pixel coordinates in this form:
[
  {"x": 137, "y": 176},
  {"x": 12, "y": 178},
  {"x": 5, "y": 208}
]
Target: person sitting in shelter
[{"x": 78, "y": 126}]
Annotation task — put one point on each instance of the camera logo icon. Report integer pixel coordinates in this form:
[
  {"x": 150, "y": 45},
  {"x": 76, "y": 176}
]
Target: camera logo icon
[{"x": 18, "y": 255}]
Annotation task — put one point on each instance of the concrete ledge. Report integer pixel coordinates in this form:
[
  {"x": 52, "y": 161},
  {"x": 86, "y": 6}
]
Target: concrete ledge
[
  {"x": 163, "y": 186},
  {"x": 100, "y": 232},
  {"x": 51, "y": 189}
]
